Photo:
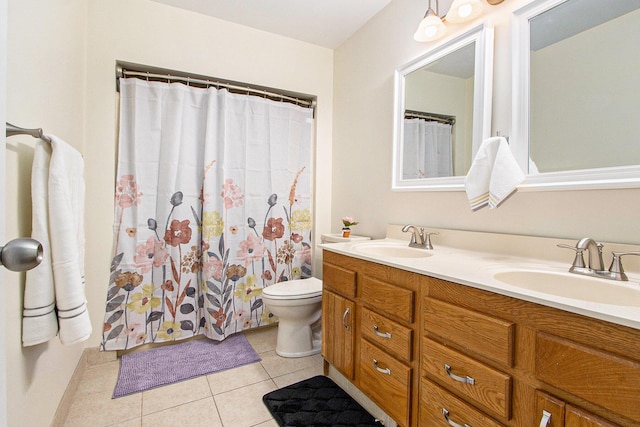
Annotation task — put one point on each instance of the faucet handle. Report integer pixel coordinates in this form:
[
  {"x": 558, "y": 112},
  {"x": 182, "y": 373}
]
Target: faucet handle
[
  {"x": 427, "y": 239},
  {"x": 616, "y": 271},
  {"x": 578, "y": 261}
]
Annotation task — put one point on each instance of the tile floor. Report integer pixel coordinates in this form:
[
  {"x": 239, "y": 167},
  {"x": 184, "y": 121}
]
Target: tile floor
[{"x": 228, "y": 398}]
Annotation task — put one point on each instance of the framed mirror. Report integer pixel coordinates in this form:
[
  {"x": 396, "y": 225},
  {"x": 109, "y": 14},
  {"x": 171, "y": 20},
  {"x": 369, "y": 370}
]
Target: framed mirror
[
  {"x": 442, "y": 112},
  {"x": 576, "y": 78}
]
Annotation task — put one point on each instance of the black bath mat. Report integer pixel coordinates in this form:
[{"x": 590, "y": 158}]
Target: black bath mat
[{"x": 316, "y": 402}]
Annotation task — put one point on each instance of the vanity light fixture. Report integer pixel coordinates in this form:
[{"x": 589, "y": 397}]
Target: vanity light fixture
[{"x": 432, "y": 27}]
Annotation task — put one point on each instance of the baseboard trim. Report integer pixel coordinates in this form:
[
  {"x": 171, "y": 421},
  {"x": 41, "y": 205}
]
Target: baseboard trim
[{"x": 90, "y": 357}]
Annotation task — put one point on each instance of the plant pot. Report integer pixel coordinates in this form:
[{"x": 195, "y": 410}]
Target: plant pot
[{"x": 346, "y": 232}]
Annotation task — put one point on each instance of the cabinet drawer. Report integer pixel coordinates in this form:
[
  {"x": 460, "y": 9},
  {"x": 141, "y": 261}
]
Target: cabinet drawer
[
  {"x": 339, "y": 279},
  {"x": 436, "y": 402},
  {"x": 484, "y": 335},
  {"x": 386, "y": 381},
  {"x": 601, "y": 378},
  {"x": 393, "y": 300},
  {"x": 390, "y": 335},
  {"x": 484, "y": 386},
  {"x": 553, "y": 412}
]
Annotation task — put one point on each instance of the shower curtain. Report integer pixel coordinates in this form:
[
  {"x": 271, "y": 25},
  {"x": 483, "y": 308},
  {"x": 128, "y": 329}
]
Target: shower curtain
[
  {"x": 212, "y": 204},
  {"x": 427, "y": 150}
]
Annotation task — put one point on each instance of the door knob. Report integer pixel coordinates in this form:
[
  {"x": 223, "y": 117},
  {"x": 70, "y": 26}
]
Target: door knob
[{"x": 21, "y": 254}]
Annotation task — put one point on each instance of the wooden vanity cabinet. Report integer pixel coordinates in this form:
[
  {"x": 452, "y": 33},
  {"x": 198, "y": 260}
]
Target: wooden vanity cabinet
[
  {"x": 384, "y": 330},
  {"x": 338, "y": 318},
  {"x": 435, "y": 353},
  {"x": 526, "y": 357}
]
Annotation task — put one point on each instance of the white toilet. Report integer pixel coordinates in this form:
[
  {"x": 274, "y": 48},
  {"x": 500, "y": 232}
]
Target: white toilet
[{"x": 298, "y": 305}]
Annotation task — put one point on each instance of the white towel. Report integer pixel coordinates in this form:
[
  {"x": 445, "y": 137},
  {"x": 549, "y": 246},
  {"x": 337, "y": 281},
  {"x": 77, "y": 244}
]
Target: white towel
[
  {"x": 39, "y": 322},
  {"x": 494, "y": 174},
  {"x": 66, "y": 241}
]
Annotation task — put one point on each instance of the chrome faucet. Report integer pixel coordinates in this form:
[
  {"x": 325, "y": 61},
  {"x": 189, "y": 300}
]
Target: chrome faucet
[
  {"x": 596, "y": 264},
  {"x": 419, "y": 237},
  {"x": 595, "y": 253}
]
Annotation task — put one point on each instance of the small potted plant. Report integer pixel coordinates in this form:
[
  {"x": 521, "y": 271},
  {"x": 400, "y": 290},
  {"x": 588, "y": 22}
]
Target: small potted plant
[{"x": 347, "y": 222}]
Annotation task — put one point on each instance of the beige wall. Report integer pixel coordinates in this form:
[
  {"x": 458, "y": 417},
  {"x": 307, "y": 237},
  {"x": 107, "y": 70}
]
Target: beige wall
[
  {"x": 3, "y": 109},
  {"x": 61, "y": 77},
  {"x": 363, "y": 132},
  {"x": 45, "y": 88}
]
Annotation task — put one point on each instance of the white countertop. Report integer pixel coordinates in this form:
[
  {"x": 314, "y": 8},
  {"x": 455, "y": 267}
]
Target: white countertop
[{"x": 475, "y": 268}]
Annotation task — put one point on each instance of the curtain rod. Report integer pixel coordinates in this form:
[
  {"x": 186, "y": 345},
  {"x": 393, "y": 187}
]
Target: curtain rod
[
  {"x": 159, "y": 74},
  {"x": 13, "y": 130},
  {"x": 441, "y": 118}
]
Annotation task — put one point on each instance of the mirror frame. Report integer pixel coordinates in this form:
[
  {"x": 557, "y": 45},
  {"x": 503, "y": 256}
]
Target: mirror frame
[
  {"x": 482, "y": 35},
  {"x": 599, "y": 178}
]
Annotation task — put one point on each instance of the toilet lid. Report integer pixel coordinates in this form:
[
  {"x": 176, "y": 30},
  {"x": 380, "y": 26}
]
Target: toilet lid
[{"x": 302, "y": 288}]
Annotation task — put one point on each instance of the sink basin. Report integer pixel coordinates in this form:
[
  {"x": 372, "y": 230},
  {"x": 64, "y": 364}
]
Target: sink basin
[
  {"x": 391, "y": 250},
  {"x": 574, "y": 286}
]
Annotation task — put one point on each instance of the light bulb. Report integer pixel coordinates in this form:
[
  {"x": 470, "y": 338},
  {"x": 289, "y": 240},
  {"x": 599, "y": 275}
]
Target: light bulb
[
  {"x": 464, "y": 10},
  {"x": 430, "y": 28}
]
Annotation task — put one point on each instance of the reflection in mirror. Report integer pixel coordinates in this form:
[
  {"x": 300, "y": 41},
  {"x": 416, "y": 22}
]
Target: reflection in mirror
[
  {"x": 428, "y": 145},
  {"x": 442, "y": 112},
  {"x": 444, "y": 88},
  {"x": 578, "y": 78}
]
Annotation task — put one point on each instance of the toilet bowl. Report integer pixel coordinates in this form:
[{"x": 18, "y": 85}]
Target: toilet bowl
[{"x": 298, "y": 305}]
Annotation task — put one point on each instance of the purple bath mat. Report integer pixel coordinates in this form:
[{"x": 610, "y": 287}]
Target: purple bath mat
[{"x": 170, "y": 364}]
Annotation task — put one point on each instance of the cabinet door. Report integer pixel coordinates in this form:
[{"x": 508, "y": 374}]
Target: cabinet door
[
  {"x": 597, "y": 376},
  {"x": 553, "y": 412},
  {"x": 576, "y": 417},
  {"x": 338, "y": 321},
  {"x": 550, "y": 411}
]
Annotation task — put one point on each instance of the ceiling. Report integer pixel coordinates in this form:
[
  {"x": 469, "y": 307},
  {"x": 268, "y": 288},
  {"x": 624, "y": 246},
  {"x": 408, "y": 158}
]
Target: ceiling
[{"x": 325, "y": 23}]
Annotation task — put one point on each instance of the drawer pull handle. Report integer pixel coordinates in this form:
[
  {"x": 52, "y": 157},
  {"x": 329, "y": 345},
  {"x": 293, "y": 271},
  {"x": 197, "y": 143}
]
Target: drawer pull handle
[
  {"x": 452, "y": 423},
  {"x": 344, "y": 319},
  {"x": 546, "y": 419},
  {"x": 465, "y": 380},
  {"x": 380, "y": 334},
  {"x": 379, "y": 369}
]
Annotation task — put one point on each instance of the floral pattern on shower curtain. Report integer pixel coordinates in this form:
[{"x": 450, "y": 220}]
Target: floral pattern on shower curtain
[{"x": 212, "y": 205}]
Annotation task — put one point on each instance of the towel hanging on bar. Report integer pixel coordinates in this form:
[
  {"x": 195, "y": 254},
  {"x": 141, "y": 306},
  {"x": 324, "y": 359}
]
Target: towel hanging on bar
[{"x": 13, "y": 130}]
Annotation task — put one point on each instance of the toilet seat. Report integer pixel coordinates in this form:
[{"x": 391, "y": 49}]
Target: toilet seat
[{"x": 294, "y": 289}]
